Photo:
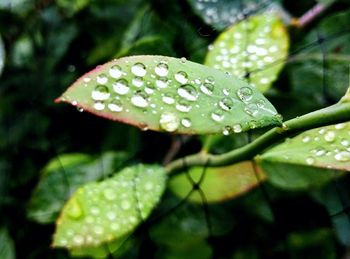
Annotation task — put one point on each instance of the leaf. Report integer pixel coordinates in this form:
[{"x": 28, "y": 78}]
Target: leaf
[
  {"x": 219, "y": 183},
  {"x": 102, "y": 212},
  {"x": 62, "y": 176},
  {"x": 221, "y": 14},
  {"x": 7, "y": 250},
  {"x": 253, "y": 49},
  {"x": 346, "y": 97},
  {"x": 169, "y": 94},
  {"x": 309, "y": 159}
]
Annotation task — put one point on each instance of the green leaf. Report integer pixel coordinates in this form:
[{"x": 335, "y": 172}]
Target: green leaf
[
  {"x": 221, "y": 14},
  {"x": 102, "y": 212},
  {"x": 309, "y": 159},
  {"x": 169, "y": 94},
  {"x": 346, "y": 97},
  {"x": 219, "y": 183},
  {"x": 7, "y": 250},
  {"x": 253, "y": 49},
  {"x": 65, "y": 174}
]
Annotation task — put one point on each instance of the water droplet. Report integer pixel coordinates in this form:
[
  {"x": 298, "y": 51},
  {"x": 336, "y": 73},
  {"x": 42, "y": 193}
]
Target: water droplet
[
  {"x": 102, "y": 79},
  {"x": 138, "y": 81},
  {"x": 345, "y": 142},
  {"x": 169, "y": 121},
  {"x": 121, "y": 87},
  {"x": 138, "y": 69},
  {"x": 162, "y": 82},
  {"x": 227, "y": 130},
  {"x": 342, "y": 156},
  {"x": 140, "y": 100},
  {"x": 168, "y": 98},
  {"x": 125, "y": 205},
  {"x": 80, "y": 109},
  {"x": 161, "y": 69},
  {"x": 260, "y": 103},
  {"x": 181, "y": 77},
  {"x": 237, "y": 128},
  {"x": 78, "y": 240},
  {"x": 217, "y": 115},
  {"x": 149, "y": 89},
  {"x": 183, "y": 106},
  {"x": 226, "y": 103},
  {"x": 310, "y": 160},
  {"x": 306, "y": 139},
  {"x": 100, "y": 93},
  {"x": 210, "y": 80},
  {"x": 252, "y": 109},
  {"x": 143, "y": 126},
  {"x": 330, "y": 136},
  {"x": 74, "y": 210},
  {"x": 340, "y": 126},
  {"x": 183, "y": 60},
  {"x": 207, "y": 88},
  {"x": 186, "y": 122},
  {"x": 115, "y": 106},
  {"x": 109, "y": 194},
  {"x": 111, "y": 215},
  {"x": 188, "y": 92},
  {"x": 252, "y": 124},
  {"x": 320, "y": 152},
  {"x": 245, "y": 94},
  {"x": 99, "y": 106},
  {"x": 87, "y": 79},
  {"x": 115, "y": 72}
]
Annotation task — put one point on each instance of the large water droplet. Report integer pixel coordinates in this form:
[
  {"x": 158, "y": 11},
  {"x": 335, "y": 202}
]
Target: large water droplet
[
  {"x": 226, "y": 103},
  {"x": 102, "y": 79},
  {"x": 168, "y": 98},
  {"x": 161, "y": 69},
  {"x": 186, "y": 122},
  {"x": 100, "y": 93},
  {"x": 183, "y": 106},
  {"x": 252, "y": 109},
  {"x": 99, "y": 106},
  {"x": 217, "y": 116},
  {"x": 139, "y": 69},
  {"x": 162, "y": 82},
  {"x": 181, "y": 77},
  {"x": 237, "y": 128},
  {"x": 245, "y": 94},
  {"x": 121, "y": 87},
  {"x": 342, "y": 156},
  {"x": 115, "y": 72},
  {"x": 138, "y": 81},
  {"x": 115, "y": 106},
  {"x": 207, "y": 88},
  {"x": 330, "y": 136},
  {"x": 169, "y": 121},
  {"x": 140, "y": 100},
  {"x": 310, "y": 160},
  {"x": 188, "y": 92}
]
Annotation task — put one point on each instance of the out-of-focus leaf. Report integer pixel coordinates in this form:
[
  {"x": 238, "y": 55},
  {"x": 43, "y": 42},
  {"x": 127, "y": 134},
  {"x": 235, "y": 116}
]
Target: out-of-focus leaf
[
  {"x": 2, "y": 56},
  {"x": 22, "y": 51},
  {"x": 72, "y": 7},
  {"x": 7, "y": 250},
  {"x": 254, "y": 49},
  {"x": 63, "y": 175},
  {"x": 219, "y": 183},
  {"x": 220, "y": 14},
  {"x": 102, "y": 212},
  {"x": 17, "y": 6},
  {"x": 168, "y": 94}
]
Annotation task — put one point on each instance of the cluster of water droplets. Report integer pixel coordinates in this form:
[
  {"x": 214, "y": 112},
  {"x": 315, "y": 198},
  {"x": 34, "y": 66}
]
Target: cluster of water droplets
[
  {"x": 101, "y": 212},
  {"x": 332, "y": 143}
]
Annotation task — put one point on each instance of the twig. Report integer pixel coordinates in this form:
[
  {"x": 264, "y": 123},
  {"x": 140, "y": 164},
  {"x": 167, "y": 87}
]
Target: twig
[
  {"x": 174, "y": 148},
  {"x": 310, "y": 15}
]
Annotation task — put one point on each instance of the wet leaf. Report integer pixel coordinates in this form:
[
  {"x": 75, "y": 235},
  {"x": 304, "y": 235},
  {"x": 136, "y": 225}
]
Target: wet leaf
[
  {"x": 169, "y": 94},
  {"x": 7, "y": 250},
  {"x": 63, "y": 175},
  {"x": 254, "y": 49},
  {"x": 309, "y": 159},
  {"x": 104, "y": 211},
  {"x": 219, "y": 183},
  {"x": 221, "y": 14}
]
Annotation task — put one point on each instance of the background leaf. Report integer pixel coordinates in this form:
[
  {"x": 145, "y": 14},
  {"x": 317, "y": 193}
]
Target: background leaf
[
  {"x": 174, "y": 95},
  {"x": 7, "y": 250}
]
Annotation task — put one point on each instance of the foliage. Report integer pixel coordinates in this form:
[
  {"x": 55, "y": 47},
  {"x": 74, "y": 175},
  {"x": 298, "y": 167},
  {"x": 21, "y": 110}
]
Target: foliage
[{"x": 276, "y": 191}]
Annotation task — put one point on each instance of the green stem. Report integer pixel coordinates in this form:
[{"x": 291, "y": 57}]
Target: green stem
[{"x": 337, "y": 113}]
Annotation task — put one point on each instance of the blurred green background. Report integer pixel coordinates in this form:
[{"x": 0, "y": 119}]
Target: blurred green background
[{"x": 48, "y": 44}]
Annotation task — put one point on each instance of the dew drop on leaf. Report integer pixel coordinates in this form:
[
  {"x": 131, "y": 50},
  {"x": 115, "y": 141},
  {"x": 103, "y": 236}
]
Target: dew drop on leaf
[
  {"x": 342, "y": 156},
  {"x": 186, "y": 122},
  {"x": 245, "y": 94},
  {"x": 237, "y": 128},
  {"x": 140, "y": 100},
  {"x": 217, "y": 116},
  {"x": 188, "y": 92},
  {"x": 169, "y": 121},
  {"x": 102, "y": 79},
  {"x": 99, "y": 106},
  {"x": 162, "y": 82},
  {"x": 226, "y": 103},
  {"x": 139, "y": 69},
  {"x": 207, "y": 88},
  {"x": 161, "y": 69},
  {"x": 181, "y": 77},
  {"x": 138, "y": 81},
  {"x": 168, "y": 98},
  {"x": 115, "y": 106},
  {"x": 100, "y": 93},
  {"x": 121, "y": 87},
  {"x": 115, "y": 71}
]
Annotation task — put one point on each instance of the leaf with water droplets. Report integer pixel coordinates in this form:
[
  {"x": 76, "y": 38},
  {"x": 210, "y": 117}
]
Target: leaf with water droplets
[
  {"x": 170, "y": 94},
  {"x": 311, "y": 158},
  {"x": 254, "y": 49},
  {"x": 101, "y": 212},
  {"x": 223, "y": 13},
  {"x": 219, "y": 183}
]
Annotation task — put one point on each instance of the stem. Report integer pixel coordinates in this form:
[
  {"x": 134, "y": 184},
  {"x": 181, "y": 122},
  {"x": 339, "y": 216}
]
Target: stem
[
  {"x": 337, "y": 113},
  {"x": 312, "y": 14}
]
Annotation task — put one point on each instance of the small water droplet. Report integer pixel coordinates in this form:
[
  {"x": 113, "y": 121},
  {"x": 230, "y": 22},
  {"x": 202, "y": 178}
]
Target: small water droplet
[
  {"x": 342, "y": 156},
  {"x": 210, "y": 80},
  {"x": 109, "y": 194},
  {"x": 111, "y": 215},
  {"x": 251, "y": 109},
  {"x": 306, "y": 139},
  {"x": 245, "y": 94},
  {"x": 345, "y": 142},
  {"x": 237, "y": 128},
  {"x": 140, "y": 100},
  {"x": 207, "y": 88},
  {"x": 186, "y": 122},
  {"x": 162, "y": 82},
  {"x": 138, "y": 81},
  {"x": 226, "y": 103},
  {"x": 183, "y": 60},
  {"x": 149, "y": 89},
  {"x": 80, "y": 109},
  {"x": 139, "y": 69},
  {"x": 183, "y": 106},
  {"x": 252, "y": 124},
  {"x": 99, "y": 106},
  {"x": 330, "y": 136},
  {"x": 188, "y": 92},
  {"x": 87, "y": 79},
  {"x": 340, "y": 126},
  {"x": 98, "y": 230},
  {"x": 181, "y": 77},
  {"x": 161, "y": 69},
  {"x": 168, "y": 98},
  {"x": 121, "y": 87},
  {"x": 115, "y": 71},
  {"x": 227, "y": 130},
  {"x": 143, "y": 126},
  {"x": 320, "y": 152},
  {"x": 125, "y": 205},
  {"x": 310, "y": 160},
  {"x": 78, "y": 240},
  {"x": 102, "y": 79},
  {"x": 115, "y": 106},
  {"x": 74, "y": 103},
  {"x": 100, "y": 93},
  {"x": 169, "y": 121},
  {"x": 217, "y": 115}
]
